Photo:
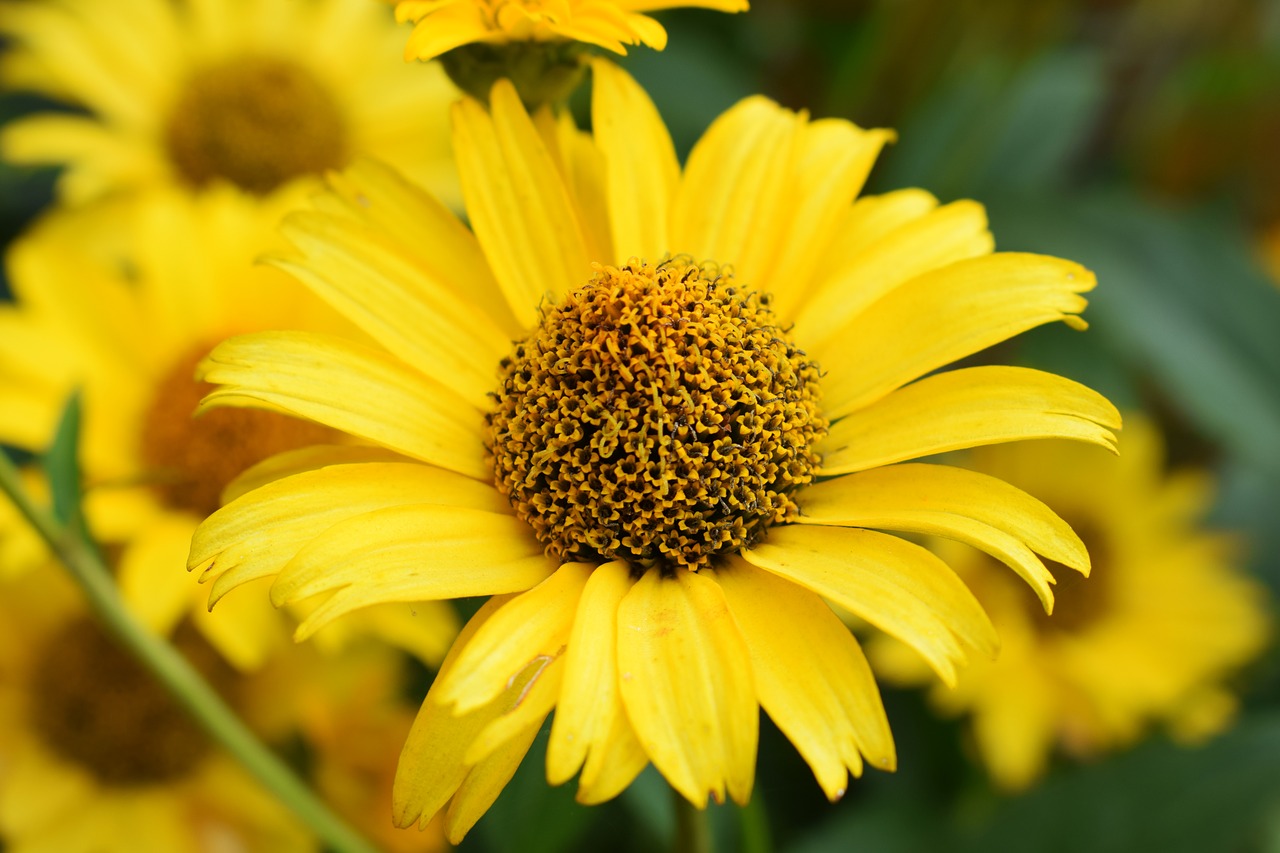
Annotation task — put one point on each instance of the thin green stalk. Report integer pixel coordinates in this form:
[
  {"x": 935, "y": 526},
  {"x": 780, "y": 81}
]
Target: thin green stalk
[
  {"x": 172, "y": 670},
  {"x": 693, "y": 827}
]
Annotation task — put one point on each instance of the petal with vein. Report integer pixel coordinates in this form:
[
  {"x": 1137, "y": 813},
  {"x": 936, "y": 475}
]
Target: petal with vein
[
  {"x": 258, "y": 533},
  {"x": 418, "y": 552},
  {"x": 944, "y": 315},
  {"x": 829, "y": 165},
  {"x": 351, "y": 388},
  {"x": 431, "y": 766},
  {"x": 983, "y": 511},
  {"x": 967, "y": 408},
  {"x": 369, "y": 280},
  {"x": 534, "y": 701},
  {"x": 590, "y": 716},
  {"x": 901, "y": 588},
  {"x": 519, "y": 206},
  {"x": 640, "y": 162},
  {"x": 734, "y": 180},
  {"x": 442, "y": 246},
  {"x": 811, "y": 675},
  {"x": 941, "y": 237},
  {"x": 686, "y": 682},
  {"x": 534, "y": 627},
  {"x": 303, "y": 459}
]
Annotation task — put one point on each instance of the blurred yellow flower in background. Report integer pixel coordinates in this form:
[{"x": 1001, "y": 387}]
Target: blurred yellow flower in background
[
  {"x": 1152, "y": 636},
  {"x": 251, "y": 92},
  {"x": 125, "y": 316},
  {"x": 635, "y": 480},
  {"x": 95, "y": 757},
  {"x": 442, "y": 25}
]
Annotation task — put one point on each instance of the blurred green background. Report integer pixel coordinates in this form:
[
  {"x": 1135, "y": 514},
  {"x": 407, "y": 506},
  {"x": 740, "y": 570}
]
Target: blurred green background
[{"x": 1139, "y": 137}]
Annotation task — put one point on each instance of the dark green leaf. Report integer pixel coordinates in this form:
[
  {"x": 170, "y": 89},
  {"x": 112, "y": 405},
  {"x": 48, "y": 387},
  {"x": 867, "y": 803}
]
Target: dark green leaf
[
  {"x": 1159, "y": 797},
  {"x": 62, "y": 463}
]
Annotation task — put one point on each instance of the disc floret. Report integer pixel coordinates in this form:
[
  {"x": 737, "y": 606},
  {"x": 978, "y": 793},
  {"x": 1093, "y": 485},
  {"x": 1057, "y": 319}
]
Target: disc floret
[{"x": 660, "y": 415}]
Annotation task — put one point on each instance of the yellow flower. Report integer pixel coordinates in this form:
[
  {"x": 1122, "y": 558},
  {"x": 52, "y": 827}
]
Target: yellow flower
[
  {"x": 96, "y": 758},
  {"x": 125, "y": 316},
  {"x": 676, "y": 461},
  {"x": 442, "y": 25},
  {"x": 1164, "y": 618},
  {"x": 254, "y": 92}
]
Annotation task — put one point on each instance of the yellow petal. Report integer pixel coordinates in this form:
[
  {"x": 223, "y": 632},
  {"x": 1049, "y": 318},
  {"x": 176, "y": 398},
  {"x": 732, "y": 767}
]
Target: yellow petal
[
  {"x": 419, "y": 552},
  {"x": 735, "y": 176},
  {"x": 830, "y": 163},
  {"x": 351, "y": 388},
  {"x": 873, "y": 217},
  {"x": 901, "y": 588},
  {"x": 441, "y": 245},
  {"x": 431, "y": 766},
  {"x": 245, "y": 630},
  {"x": 933, "y": 240},
  {"x": 590, "y": 702},
  {"x": 536, "y": 699},
  {"x": 484, "y": 782},
  {"x": 446, "y": 27},
  {"x": 303, "y": 459},
  {"x": 983, "y": 511},
  {"x": 257, "y": 534},
  {"x": 519, "y": 207},
  {"x": 686, "y": 681},
  {"x": 368, "y": 279},
  {"x": 942, "y": 316},
  {"x": 581, "y": 165},
  {"x": 424, "y": 629},
  {"x": 967, "y": 408},
  {"x": 150, "y": 573},
  {"x": 811, "y": 676},
  {"x": 616, "y": 764},
  {"x": 640, "y": 162},
  {"x": 534, "y": 627}
]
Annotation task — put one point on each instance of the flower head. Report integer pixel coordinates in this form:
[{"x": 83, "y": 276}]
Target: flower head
[
  {"x": 1164, "y": 618},
  {"x": 255, "y": 94},
  {"x": 656, "y": 414},
  {"x": 92, "y": 744},
  {"x": 124, "y": 316},
  {"x": 442, "y": 25}
]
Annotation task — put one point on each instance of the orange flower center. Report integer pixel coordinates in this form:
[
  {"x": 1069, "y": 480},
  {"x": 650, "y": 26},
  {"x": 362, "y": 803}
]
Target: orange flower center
[
  {"x": 95, "y": 706},
  {"x": 190, "y": 460},
  {"x": 256, "y": 122}
]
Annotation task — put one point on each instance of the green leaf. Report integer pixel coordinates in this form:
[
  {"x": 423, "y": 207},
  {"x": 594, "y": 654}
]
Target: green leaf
[
  {"x": 1158, "y": 797},
  {"x": 993, "y": 129},
  {"x": 62, "y": 464}
]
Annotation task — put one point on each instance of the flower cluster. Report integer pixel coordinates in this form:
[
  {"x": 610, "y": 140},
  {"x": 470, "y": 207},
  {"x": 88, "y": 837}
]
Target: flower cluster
[{"x": 368, "y": 337}]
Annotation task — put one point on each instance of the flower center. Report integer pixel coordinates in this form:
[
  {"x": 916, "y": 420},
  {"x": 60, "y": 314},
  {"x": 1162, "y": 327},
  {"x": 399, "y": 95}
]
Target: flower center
[
  {"x": 256, "y": 122},
  {"x": 190, "y": 460},
  {"x": 95, "y": 706},
  {"x": 659, "y": 415}
]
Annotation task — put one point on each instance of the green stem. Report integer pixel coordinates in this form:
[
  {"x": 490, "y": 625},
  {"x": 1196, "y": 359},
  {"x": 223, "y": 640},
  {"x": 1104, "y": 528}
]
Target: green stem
[
  {"x": 693, "y": 828},
  {"x": 173, "y": 671}
]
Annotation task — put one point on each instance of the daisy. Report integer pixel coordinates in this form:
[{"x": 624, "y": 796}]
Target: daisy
[
  {"x": 122, "y": 301},
  {"x": 443, "y": 25},
  {"x": 1152, "y": 637},
  {"x": 657, "y": 414},
  {"x": 251, "y": 92},
  {"x": 96, "y": 758}
]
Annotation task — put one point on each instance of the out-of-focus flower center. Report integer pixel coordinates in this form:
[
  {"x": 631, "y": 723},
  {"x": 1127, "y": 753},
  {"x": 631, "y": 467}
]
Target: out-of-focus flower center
[
  {"x": 1080, "y": 602},
  {"x": 256, "y": 122},
  {"x": 658, "y": 415},
  {"x": 95, "y": 706},
  {"x": 190, "y": 460}
]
